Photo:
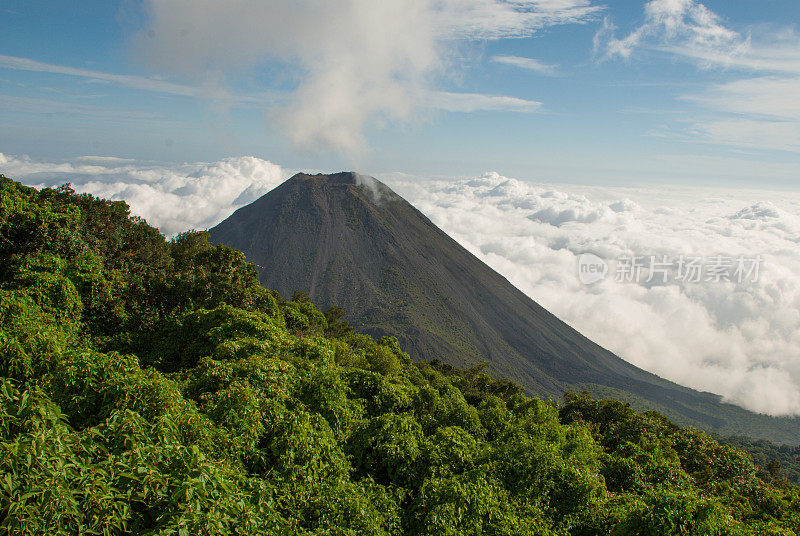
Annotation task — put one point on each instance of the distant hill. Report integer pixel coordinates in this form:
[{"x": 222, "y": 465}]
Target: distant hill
[{"x": 349, "y": 240}]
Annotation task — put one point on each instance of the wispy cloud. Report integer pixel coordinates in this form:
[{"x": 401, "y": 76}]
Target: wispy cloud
[
  {"x": 774, "y": 97},
  {"x": 756, "y": 112},
  {"x": 140, "y": 83},
  {"x": 475, "y": 102},
  {"x": 674, "y": 23},
  {"x": 764, "y": 49},
  {"x": 492, "y": 19},
  {"x": 425, "y": 99},
  {"x": 530, "y": 64},
  {"x": 33, "y": 105},
  {"x": 356, "y": 63},
  {"x": 759, "y": 113}
]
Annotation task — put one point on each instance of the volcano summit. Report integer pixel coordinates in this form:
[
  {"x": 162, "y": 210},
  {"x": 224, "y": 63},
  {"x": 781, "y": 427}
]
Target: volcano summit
[{"x": 349, "y": 240}]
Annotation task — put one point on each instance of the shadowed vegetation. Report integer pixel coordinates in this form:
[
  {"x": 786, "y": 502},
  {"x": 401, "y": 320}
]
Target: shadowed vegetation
[{"x": 154, "y": 387}]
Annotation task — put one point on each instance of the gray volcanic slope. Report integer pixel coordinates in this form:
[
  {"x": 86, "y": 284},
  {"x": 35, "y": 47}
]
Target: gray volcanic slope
[{"x": 349, "y": 240}]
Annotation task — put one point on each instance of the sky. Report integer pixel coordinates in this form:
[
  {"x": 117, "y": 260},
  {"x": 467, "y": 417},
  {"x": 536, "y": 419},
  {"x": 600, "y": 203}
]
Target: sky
[
  {"x": 534, "y": 132},
  {"x": 620, "y": 92}
]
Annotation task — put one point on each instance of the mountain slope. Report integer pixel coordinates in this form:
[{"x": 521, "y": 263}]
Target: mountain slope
[
  {"x": 349, "y": 240},
  {"x": 153, "y": 387}
]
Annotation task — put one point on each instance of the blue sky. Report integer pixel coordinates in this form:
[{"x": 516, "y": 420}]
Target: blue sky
[{"x": 616, "y": 92}]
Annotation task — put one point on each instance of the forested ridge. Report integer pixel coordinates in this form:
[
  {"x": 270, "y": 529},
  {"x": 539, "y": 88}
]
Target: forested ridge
[{"x": 152, "y": 386}]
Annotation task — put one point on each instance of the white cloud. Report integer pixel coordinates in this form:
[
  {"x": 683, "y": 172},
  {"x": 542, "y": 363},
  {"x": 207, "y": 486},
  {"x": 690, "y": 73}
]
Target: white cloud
[
  {"x": 128, "y": 81},
  {"x": 172, "y": 197},
  {"x": 739, "y": 340},
  {"x": 530, "y": 64},
  {"x": 759, "y": 112},
  {"x": 762, "y": 113},
  {"x": 684, "y": 23},
  {"x": 762, "y": 49},
  {"x": 493, "y": 19},
  {"x": 351, "y": 64},
  {"x": 332, "y": 70},
  {"x": 473, "y": 102},
  {"x": 772, "y": 97}
]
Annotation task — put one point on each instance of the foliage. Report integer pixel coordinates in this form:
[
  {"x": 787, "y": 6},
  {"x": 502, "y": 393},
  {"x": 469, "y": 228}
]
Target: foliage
[
  {"x": 153, "y": 387},
  {"x": 774, "y": 461}
]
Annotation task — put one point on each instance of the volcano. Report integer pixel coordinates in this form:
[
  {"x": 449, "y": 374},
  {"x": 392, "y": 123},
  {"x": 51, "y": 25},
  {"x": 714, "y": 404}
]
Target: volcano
[{"x": 349, "y": 240}]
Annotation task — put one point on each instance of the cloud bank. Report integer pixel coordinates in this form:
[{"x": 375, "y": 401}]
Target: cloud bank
[
  {"x": 346, "y": 65},
  {"x": 738, "y": 340},
  {"x": 741, "y": 341},
  {"x": 174, "y": 197}
]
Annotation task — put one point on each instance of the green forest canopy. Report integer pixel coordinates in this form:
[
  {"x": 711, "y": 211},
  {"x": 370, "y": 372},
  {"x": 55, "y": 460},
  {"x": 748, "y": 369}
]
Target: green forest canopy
[{"x": 153, "y": 387}]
